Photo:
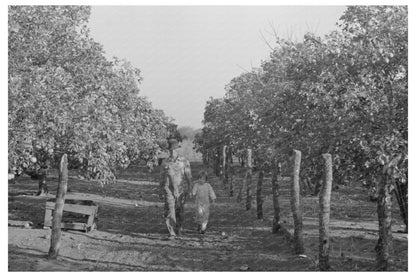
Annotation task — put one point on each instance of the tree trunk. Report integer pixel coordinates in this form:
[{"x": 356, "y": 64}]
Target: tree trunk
[
  {"x": 295, "y": 204},
  {"x": 384, "y": 243},
  {"x": 324, "y": 213},
  {"x": 259, "y": 199},
  {"x": 220, "y": 168},
  {"x": 59, "y": 207},
  {"x": 224, "y": 167},
  {"x": 217, "y": 162},
  {"x": 230, "y": 171},
  {"x": 401, "y": 192},
  {"x": 240, "y": 191},
  {"x": 318, "y": 186},
  {"x": 275, "y": 191},
  {"x": 249, "y": 177},
  {"x": 307, "y": 185},
  {"x": 231, "y": 182},
  {"x": 204, "y": 159},
  {"x": 43, "y": 186}
]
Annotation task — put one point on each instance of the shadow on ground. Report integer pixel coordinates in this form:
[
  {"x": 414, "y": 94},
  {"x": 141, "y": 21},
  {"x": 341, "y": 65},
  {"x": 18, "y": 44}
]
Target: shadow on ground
[{"x": 131, "y": 233}]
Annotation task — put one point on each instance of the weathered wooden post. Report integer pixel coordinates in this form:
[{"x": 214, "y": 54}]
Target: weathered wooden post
[
  {"x": 259, "y": 198},
  {"x": 276, "y": 175},
  {"x": 59, "y": 207},
  {"x": 385, "y": 189},
  {"x": 248, "y": 180},
  {"x": 324, "y": 214},
  {"x": 384, "y": 243},
  {"x": 295, "y": 204}
]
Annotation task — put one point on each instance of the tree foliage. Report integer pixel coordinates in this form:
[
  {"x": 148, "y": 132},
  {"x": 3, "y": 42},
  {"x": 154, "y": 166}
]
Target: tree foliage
[
  {"x": 345, "y": 93},
  {"x": 66, "y": 97}
]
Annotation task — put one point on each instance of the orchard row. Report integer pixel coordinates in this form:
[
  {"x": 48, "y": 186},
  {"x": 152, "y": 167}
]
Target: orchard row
[
  {"x": 345, "y": 94},
  {"x": 66, "y": 97}
]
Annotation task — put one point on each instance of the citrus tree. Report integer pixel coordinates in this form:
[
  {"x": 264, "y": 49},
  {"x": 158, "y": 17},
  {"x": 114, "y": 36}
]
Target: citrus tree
[
  {"x": 66, "y": 97},
  {"x": 344, "y": 94}
]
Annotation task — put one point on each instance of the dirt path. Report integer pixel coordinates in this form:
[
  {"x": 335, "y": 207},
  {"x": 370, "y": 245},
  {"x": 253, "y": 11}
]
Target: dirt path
[{"x": 131, "y": 234}]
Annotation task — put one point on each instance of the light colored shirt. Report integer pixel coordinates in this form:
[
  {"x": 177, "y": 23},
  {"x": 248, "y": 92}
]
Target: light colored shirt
[
  {"x": 204, "y": 194},
  {"x": 173, "y": 174}
]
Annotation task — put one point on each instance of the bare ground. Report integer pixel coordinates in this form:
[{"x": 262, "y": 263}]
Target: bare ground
[{"x": 131, "y": 234}]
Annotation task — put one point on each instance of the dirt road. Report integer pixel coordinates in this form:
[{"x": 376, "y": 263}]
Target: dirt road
[{"x": 131, "y": 234}]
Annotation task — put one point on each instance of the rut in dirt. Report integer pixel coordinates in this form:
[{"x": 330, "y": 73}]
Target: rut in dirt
[{"x": 235, "y": 239}]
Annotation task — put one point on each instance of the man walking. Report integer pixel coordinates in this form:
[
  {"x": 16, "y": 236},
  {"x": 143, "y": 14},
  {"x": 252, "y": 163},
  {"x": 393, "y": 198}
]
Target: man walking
[{"x": 174, "y": 170}]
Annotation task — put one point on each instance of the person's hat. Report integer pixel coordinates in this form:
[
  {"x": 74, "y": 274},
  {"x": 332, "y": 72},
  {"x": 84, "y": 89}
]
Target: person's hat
[{"x": 173, "y": 144}]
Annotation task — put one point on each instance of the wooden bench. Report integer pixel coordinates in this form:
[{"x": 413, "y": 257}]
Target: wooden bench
[{"x": 85, "y": 208}]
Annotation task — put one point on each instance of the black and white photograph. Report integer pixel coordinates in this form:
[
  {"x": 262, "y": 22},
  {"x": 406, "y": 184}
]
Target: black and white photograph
[{"x": 207, "y": 137}]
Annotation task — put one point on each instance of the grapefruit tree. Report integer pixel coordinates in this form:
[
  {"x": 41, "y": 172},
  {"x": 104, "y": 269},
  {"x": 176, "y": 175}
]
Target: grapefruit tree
[{"x": 66, "y": 97}]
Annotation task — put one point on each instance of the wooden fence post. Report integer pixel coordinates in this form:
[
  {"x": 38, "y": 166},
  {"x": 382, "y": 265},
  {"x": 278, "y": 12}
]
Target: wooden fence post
[
  {"x": 385, "y": 189},
  {"x": 324, "y": 214},
  {"x": 59, "y": 207},
  {"x": 384, "y": 243},
  {"x": 249, "y": 177},
  {"x": 276, "y": 175},
  {"x": 259, "y": 198},
  {"x": 295, "y": 204}
]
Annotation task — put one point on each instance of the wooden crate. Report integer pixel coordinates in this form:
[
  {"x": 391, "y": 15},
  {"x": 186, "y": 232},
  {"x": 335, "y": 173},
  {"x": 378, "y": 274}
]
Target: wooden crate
[{"x": 82, "y": 208}]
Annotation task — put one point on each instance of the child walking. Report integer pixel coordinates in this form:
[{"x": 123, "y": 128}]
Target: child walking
[{"x": 204, "y": 195}]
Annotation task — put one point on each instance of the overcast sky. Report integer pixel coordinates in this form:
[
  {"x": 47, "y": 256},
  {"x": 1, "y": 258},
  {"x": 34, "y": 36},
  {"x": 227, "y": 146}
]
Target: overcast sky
[{"x": 188, "y": 53}]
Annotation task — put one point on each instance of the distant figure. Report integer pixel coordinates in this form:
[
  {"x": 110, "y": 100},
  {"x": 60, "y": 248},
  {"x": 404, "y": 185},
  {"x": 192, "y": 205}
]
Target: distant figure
[
  {"x": 174, "y": 170},
  {"x": 204, "y": 196}
]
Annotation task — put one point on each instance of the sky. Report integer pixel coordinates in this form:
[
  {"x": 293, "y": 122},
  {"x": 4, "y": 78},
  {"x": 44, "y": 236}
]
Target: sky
[{"x": 187, "y": 54}]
